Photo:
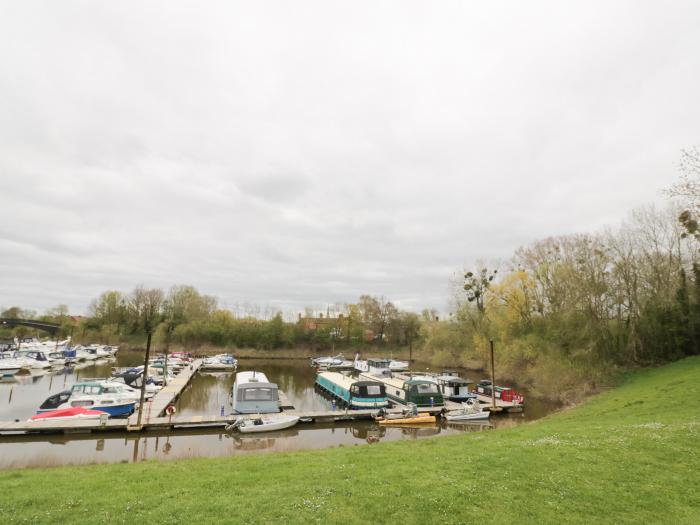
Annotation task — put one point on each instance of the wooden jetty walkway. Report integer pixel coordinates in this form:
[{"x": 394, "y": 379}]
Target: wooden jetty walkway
[
  {"x": 175, "y": 422},
  {"x": 168, "y": 394}
]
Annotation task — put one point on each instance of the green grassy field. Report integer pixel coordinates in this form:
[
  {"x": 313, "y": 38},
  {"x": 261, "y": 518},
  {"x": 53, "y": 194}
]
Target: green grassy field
[{"x": 631, "y": 455}]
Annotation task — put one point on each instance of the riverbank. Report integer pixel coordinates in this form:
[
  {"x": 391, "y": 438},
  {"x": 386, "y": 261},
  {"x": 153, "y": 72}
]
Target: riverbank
[{"x": 628, "y": 455}]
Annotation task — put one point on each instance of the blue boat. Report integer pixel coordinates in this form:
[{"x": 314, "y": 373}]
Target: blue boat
[
  {"x": 353, "y": 393},
  {"x": 112, "y": 398}
]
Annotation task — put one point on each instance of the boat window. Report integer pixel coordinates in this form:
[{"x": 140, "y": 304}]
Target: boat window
[
  {"x": 427, "y": 388},
  {"x": 257, "y": 394},
  {"x": 374, "y": 390}
]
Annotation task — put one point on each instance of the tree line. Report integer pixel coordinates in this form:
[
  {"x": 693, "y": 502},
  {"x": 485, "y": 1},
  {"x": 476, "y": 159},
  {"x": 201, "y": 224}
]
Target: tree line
[{"x": 185, "y": 317}]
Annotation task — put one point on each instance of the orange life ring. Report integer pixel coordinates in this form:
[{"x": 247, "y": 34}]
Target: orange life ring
[{"x": 170, "y": 410}]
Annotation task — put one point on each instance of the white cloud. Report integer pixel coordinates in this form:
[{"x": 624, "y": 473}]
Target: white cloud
[{"x": 294, "y": 153}]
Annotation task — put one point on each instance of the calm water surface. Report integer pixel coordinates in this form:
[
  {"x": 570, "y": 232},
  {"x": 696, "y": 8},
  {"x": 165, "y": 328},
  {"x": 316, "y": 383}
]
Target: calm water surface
[{"x": 206, "y": 394}]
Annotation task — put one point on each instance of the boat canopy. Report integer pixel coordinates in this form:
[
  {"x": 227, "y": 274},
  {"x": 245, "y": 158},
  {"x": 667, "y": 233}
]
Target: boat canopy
[{"x": 257, "y": 392}]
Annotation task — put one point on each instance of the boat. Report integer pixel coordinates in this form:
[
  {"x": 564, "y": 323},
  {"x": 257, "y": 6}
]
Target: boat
[
  {"x": 454, "y": 387},
  {"x": 371, "y": 365},
  {"x": 351, "y": 392},
  {"x": 471, "y": 410},
  {"x": 82, "y": 354},
  {"x": 134, "y": 379},
  {"x": 69, "y": 414},
  {"x": 10, "y": 366},
  {"x": 327, "y": 361},
  {"x": 408, "y": 416},
  {"x": 96, "y": 395},
  {"x": 33, "y": 359},
  {"x": 422, "y": 391},
  {"x": 218, "y": 363},
  {"x": 254, "y": 394},
  {"x": 398, "y": 366},
  {"x": 504, "y": 393},
  {"x": 263, "y": 424}
]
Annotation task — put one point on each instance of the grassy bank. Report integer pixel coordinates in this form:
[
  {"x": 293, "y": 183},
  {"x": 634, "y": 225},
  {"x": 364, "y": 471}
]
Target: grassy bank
[{"x": 629, "y": 455}]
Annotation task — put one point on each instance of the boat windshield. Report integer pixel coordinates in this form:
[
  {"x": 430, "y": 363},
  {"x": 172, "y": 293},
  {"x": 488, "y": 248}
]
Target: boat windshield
[
  {"x": 426, "y": 388},
  {"x": 257, "y": 394},
  {"x": 367, "y": 390},
  {"x": 87, "y": 389}
]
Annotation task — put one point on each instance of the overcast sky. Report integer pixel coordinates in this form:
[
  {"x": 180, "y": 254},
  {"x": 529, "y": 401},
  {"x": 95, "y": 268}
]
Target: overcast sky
[{"x": 300, "y": 153}]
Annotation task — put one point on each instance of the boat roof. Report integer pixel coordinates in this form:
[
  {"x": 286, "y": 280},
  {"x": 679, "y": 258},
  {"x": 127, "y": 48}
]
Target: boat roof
[
  {"x": 455, "y": 379},
  {"x": 347, "y": 381},
  {"x": 419, "y": 381},
  {"x": 378, "y": 360},
  {"x": 396, "y": 382},
  {"x": 251, "y": 377},
  {"x": 90, "y": 382}
]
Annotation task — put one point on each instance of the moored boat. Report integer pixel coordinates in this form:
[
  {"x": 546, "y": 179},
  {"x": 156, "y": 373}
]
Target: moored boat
[
  {"x": 371, "y": 365},
  {"x": 254, "y": 394},
  {"x": 504, "y": 393},
  {"x": 422, "y": 391},
  {"x": 471, "y": 410},
  {"x": 35, "y": 359},
  {"x": 69, "y": 414},
  {"x": 398, "y": 366},
  {"x": 454, "y": 387},
  {"x": 221, "y": 362},
  {"x": 351, "y": 392},
  {"x": 115, "y": 399},
  {"x": 263, "y": 424},
  {"x": 408, "y": 416}
]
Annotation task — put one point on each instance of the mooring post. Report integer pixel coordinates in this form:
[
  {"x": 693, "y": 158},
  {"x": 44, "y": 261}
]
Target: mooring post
[
  {"x": 493, "y": 378},
  {"x": 145, "y": 376}
]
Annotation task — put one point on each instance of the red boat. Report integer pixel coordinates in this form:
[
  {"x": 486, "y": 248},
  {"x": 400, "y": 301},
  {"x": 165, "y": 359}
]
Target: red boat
[
  {"x": 69, "y": 413},
  {"x": 503, "y": 393}
]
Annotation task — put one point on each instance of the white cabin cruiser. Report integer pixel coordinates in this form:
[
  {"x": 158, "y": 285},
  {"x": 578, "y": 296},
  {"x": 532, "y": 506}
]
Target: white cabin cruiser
[
  {"x": 33, "y": 359},
  {"x": 10, "y": 366},
  {"x": 398, "y": 366},
  {"x": 221, "y": 362},
  {"x": 94, "y": 395},
  {"x": 372, "y": 366},
  {"x": 327, "y": 360},
  {"x": 254, "y": 394}
]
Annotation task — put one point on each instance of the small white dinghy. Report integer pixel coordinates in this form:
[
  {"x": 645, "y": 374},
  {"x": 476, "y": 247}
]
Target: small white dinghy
[
  {"x": 266, "y": 423},
  {"x": 471, "y": 411}
]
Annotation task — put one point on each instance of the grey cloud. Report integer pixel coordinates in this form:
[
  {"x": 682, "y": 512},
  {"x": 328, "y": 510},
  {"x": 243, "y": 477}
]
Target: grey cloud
[{"x": 291, "y": 156}]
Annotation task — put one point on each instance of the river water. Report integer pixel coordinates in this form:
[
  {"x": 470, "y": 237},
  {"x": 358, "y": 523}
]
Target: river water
[{"x": 206, "y": 394}]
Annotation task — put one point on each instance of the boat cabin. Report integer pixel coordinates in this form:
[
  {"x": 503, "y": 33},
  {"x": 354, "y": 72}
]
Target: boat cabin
[
  {"x": 454, "y": 387},
  {"x": 372, "y": 366},
  {"x": 254, "y": 394},
  {"x": 422, "y": 392},
  {"x": 351, "y": 392},
  {"x": 56, "y": 400}
]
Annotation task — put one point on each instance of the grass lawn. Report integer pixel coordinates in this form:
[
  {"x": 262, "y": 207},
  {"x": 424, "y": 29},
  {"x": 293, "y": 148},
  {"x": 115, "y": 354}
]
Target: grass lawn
[{"x": 631, "y": 455}]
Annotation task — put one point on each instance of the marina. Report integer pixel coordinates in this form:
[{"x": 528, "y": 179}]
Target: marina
[{"x": 203, "y": 408}]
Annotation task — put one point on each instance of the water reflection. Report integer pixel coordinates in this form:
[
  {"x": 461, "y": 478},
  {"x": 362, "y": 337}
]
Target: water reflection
[{"x": 206, "y": 394}]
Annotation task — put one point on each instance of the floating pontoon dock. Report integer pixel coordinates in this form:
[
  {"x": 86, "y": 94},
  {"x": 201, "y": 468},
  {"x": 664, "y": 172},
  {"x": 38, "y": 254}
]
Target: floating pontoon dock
[{"x": 154, "y": 417}]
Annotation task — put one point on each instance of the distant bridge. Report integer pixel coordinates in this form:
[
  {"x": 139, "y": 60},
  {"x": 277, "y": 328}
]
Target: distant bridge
[{"x": 41, "y": 325}]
